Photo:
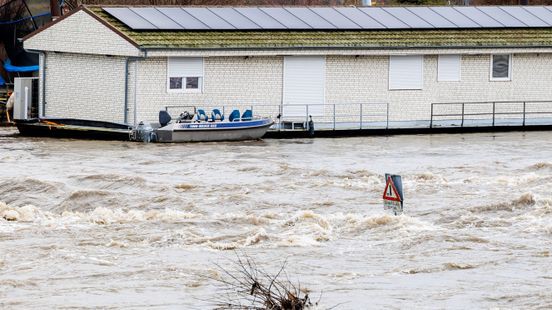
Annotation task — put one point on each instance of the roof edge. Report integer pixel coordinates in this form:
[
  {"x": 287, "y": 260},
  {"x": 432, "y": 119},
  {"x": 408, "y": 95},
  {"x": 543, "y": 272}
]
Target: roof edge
[
  {"x": 111, "y": 27},
  {"x": 39, "y": 30},
  {"x": 93, "y": 15}
]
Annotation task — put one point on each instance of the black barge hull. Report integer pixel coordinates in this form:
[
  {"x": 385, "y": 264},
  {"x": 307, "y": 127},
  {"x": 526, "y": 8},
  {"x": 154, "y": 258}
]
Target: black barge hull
[{"x": 73, "y": 128}]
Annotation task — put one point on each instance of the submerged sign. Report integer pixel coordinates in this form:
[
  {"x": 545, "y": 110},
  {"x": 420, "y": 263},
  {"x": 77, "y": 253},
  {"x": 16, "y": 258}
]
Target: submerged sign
[{"x": 393, "y": 194}]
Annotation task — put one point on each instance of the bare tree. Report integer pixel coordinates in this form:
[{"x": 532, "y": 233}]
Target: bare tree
[{"x": 244, "y": 285}]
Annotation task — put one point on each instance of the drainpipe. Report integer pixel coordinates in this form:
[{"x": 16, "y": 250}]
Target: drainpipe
[{"x": 135, "y": 60}]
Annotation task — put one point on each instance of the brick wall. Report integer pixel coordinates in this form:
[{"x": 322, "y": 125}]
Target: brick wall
[
  {"x": 236, "y": 82},
  {"x": 361, "y": 79},
  {"x": 93, "y": 86},
  {"x": 85, "y": 86}
]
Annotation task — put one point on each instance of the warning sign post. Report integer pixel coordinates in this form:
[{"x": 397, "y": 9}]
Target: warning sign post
[{"x": 393, "y": 194}]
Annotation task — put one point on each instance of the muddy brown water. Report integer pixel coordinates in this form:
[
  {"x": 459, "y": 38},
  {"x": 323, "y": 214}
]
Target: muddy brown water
[{"x": 129, "y": 225}]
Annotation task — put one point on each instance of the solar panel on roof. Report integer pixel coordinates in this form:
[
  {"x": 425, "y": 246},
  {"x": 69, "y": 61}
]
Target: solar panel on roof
[
  {"x": 286, "y": 18},
  {"x": 431, "y": 17},
  {"x": 345, "y": 18},
  {"x": 235, "y": 18},
  {"x": 209, "y": 18},
  {"x": 312, "y": 19},
  {"x": 184, "y": 19},
  {"x": 501, "y": 16},
  {"x": 157, "y": 18},
  {"x": 524, "y": 16},
  {"x": 334, "y": 17},
  {"x": 482, "y": 19},
  {"x": 130, "y": 18},
  {"x": 455, "y": 17},
  {"x": 384, "y": 18},
  {"x": 260, "y": 18},
  {"x": 408, "y": 17},
  {"x": 540, "y": 12},
  {"x": 359, "y": 18}
]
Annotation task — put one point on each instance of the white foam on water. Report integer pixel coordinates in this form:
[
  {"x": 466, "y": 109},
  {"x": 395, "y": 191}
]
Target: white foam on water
[{"x": 123, "y": 225}]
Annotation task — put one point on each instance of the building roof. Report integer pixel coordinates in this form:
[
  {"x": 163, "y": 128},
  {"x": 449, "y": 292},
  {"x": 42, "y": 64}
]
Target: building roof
[
  {"x": 331, "y": 18},
  {"x": 457, "y": 37}
]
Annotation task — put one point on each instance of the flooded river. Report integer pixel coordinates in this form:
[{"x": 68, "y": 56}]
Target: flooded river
[{"x": 128, "y": 225}]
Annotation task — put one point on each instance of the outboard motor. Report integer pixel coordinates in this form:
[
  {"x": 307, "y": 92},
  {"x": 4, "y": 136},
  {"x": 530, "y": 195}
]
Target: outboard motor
[
  {"x": 164, "y": 118},
  {"x": 144, "y": 133}
]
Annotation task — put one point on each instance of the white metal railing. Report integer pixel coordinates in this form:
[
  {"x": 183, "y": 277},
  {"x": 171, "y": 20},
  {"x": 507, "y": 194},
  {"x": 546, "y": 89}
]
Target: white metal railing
[
  {"x": 296, "y": 116},
  {"x": 495, "y": 112}
]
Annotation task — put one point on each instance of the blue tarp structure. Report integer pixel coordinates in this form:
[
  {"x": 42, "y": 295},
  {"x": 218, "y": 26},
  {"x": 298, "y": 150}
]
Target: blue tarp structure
[
  {"x": 2, "y": 82},
  {"x": 11, "y": 68}
]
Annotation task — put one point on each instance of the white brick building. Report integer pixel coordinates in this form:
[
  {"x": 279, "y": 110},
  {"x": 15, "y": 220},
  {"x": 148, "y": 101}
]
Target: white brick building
[{"x": 96, "y": 67}]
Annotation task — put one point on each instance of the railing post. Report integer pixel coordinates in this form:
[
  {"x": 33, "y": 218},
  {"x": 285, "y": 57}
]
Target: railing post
[
  {"x": 307, "y": 116},
  {"x": 494, "y": 111},
  {"x": 523, "y": 113},
  {"x": 431, "y": 117},
  {"x": 387, "y": 116},
  {"x": 280, "y": 110},
  {"x": 361, "y": 116},
  {"x": 334, "y": 116},
  {"x": 462, "y": 124}
]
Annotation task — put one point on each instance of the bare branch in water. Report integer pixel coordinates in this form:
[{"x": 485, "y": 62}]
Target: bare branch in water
[{"x": 244, "y": 285}]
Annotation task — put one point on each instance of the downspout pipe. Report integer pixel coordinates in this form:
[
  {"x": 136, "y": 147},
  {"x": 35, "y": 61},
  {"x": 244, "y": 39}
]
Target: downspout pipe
[{"x": 126, "y": 103}]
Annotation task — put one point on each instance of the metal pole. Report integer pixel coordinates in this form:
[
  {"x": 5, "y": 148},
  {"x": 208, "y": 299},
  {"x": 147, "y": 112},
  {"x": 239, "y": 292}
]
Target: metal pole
[
  {"x": 524, "y": 113},
  {"x": 361, "y": 116},
  {"x": 494, "y": 109},
  {"x": 280, "y": 109},
  {"x": 431, "y": 118},
  {"x": 462, "y": 125},
  {"x": 387, "y": 117},
  {"x": 135, "y": 92},
  {"x": 334, "y": 116},
  {"x": 307, "y": 116}
]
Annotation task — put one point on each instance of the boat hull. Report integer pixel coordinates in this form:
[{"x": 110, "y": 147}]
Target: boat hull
[
  {"x": 201, "y": 132},
  {"x": 73, "y": 128}
]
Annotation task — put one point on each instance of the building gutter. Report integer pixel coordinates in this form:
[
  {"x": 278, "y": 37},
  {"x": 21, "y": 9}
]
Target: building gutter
[
  {"x": 42, "y": 69},
  {"x": 340, "y": 48}
]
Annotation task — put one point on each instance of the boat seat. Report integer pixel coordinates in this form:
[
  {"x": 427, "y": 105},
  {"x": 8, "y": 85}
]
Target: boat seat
[
  {"x": 247, "y": 115},
  {"x": 164, "y": 118},
  {"x": 201, "y": 115},
  {"x": 216, "y": 115},
  {"x": 234, "y": 116}
]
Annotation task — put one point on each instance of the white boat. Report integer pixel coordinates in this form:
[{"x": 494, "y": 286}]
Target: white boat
[{"x": 200, "y": 127}]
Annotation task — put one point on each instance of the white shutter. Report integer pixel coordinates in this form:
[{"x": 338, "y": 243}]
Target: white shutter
[
  {"x": 448, "y": 68},
  {"x": 406, "y": 72},
  {"x": 304, "y": 84},
  {"x": 185, "y": 67}
]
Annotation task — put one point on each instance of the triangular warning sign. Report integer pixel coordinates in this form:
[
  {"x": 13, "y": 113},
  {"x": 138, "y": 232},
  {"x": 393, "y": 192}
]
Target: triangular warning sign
[{"x": 391, "y": 192}]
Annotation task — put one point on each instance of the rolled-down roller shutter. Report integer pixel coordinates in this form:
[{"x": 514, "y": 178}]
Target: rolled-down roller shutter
[
  {"x": 406, "y": 72},
  {"x": 304, "y": 84}
]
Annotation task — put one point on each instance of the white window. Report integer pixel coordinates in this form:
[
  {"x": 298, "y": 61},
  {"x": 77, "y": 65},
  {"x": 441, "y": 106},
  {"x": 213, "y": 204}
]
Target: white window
[
  {"x": 448, "y": 68},
  {"x": 501, "y": 67},
  {"x": 406, "y": 72},
  {"x": 185, "y": 74}
]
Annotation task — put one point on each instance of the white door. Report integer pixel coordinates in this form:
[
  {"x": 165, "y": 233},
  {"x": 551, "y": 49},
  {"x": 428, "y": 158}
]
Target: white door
[{"x": 304, "y": 85}]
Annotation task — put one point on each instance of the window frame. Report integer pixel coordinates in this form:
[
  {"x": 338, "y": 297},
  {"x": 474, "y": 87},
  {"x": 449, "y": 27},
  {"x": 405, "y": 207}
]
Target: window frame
[
  {"x": 439, "y": 65},
  {"x": 510, "y": 64},
  {"x": 201, "y": 78}
]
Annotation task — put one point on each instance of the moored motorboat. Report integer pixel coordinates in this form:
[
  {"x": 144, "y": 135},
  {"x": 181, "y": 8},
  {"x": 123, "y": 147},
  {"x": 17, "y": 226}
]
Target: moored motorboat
[{"x": 215, "y": 128}]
